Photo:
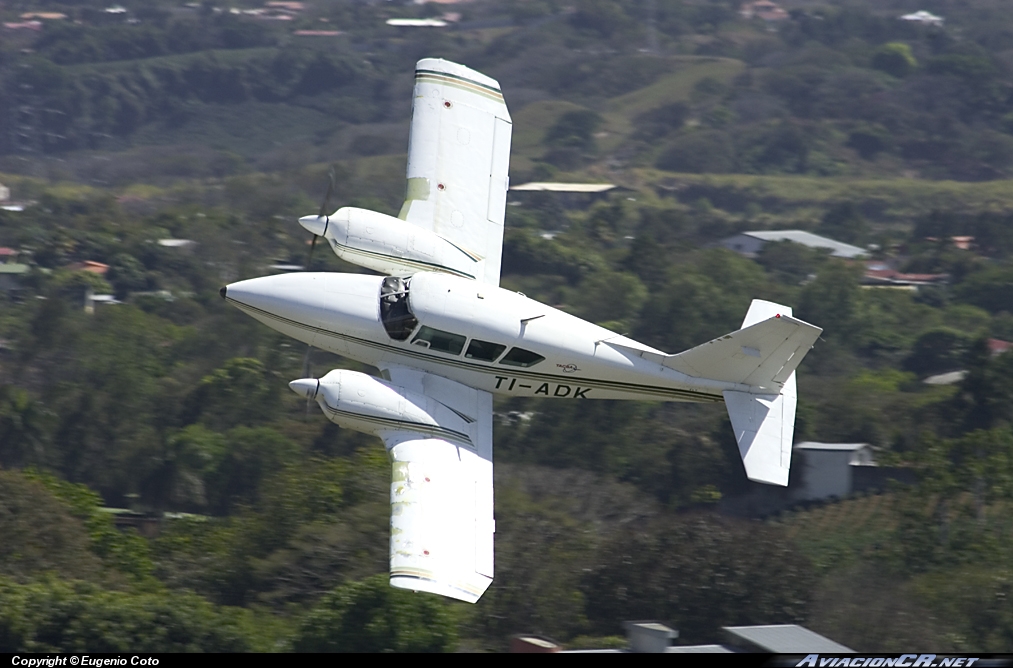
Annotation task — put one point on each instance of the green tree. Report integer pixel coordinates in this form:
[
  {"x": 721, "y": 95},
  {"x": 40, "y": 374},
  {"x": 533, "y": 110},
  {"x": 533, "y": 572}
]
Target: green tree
[
  {"x": 844, "y": 222},
  {"x": 600, "y": 16},
  {"x": 574, "y": 129},
  {"x": 698, "y": 573},
  {"x": 895, "y": 58},
  {"x": 571, "y": 138},
  {"x": 58, "y": 616},
  {"x": 124, "y": 551},
  {"x": 700, "y": 152},
  {"x": 239, "y": 393},
  {"x": 985, "y": 397},
  {"x": 938, "y": 350},
  {"x": 40, "y": 533},
  {"x": 791, "y": 262},
  {"x": 832, "y": 300},
  {"x": 990, "y": 288},
  {"x": 372, "y": 616},
  {"x": 248, "y": 456},
  {"x": 610, "y": 298},
  {"x": 22, "y": 428}
]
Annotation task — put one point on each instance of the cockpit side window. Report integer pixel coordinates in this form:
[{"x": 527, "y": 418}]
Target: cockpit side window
[
  {"x": 437, "y": 339},
  {"x": 395, "y": 315},
  {"x": 484, "y": 350},
  {"x": 521, "y": 357}
]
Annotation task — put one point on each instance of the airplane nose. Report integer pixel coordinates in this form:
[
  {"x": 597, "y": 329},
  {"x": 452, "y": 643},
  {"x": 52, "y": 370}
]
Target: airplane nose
[
  {"x": 315, "y": 224},
  {"x": 305, "y": 387},
  {"x": 305, "y": 304}
]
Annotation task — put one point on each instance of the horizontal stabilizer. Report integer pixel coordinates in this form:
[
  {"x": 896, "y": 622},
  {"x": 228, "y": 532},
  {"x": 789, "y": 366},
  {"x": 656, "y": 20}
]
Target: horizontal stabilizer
[{"x": 763, "y": 355}]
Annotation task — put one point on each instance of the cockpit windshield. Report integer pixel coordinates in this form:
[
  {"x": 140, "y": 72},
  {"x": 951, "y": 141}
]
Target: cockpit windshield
[{"x": 395, "y": 315}]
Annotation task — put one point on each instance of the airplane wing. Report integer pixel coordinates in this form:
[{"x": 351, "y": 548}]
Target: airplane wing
[
  {"x": 441, "y": 494},
  {"x": 458, "y": 161}
]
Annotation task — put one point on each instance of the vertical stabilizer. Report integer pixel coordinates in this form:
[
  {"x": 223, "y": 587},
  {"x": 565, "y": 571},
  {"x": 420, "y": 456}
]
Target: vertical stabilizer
[{"x": 764, "y": 424}]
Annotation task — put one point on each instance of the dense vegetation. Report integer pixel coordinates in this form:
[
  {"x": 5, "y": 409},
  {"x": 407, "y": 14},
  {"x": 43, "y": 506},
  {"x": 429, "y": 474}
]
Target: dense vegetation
[{"x": 203, "y": 125}]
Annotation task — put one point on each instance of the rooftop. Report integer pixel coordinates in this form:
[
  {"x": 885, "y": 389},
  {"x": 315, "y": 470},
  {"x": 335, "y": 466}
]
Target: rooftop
[
  {"x": 416, "y": 23},
  {"x": 784, "y": 639},
  {"x": 837, "y": 248},
  {"x": 837, "y": 447},
  {"x": 176, "y": 243},
  {"x": 948, "y": 378},
  {"x": 698, "y": 649},
  {"x": 564, "y": 187},
  {"x": 48, "y": 16},
  {"x": 886, "y": 275},
  {"x": 923, "y": 17},
  {"x": 90, "y": 266}
]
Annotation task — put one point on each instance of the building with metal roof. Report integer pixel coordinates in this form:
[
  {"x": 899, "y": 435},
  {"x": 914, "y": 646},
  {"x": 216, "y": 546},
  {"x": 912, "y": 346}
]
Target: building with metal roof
[
  {"x": 588, "y": 188},
  {"x": 827, "y": 470},
  {"x": 782, "y": 639},
  {"x": 568, "y": 195},
  {"x": 751, "y": 243},
  {"x": 924, "y": 17},
  {"x": 416, "y": 23},
  {"x": 655, "y": 638}
]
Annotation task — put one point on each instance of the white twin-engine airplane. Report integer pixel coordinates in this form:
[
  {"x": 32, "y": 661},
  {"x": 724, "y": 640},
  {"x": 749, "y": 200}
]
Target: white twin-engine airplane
[{"x": 446, "y": 338}]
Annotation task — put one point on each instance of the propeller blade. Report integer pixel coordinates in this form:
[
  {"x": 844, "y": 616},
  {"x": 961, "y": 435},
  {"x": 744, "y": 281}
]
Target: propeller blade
[
  {"x": 306, "y": 374},
  {"x": 306, "y": 362},
  {"x": 318, "y": 225},
  {"x": 309, "y": 257},
  {"x": 309, "y": 260},
  {"x": 325, "y": 205}
]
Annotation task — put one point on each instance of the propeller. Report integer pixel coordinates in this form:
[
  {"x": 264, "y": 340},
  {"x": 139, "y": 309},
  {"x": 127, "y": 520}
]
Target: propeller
[{"x": 318, "y": 224}]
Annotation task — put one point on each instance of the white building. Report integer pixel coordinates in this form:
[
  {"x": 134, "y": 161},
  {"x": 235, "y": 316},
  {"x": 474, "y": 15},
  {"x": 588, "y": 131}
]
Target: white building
[
  {"x": 417, "y": 23},
  {"x": 827, "y": 469},
  {"x": 750, "y": 243},
  {"x": 924, "y": 18}
]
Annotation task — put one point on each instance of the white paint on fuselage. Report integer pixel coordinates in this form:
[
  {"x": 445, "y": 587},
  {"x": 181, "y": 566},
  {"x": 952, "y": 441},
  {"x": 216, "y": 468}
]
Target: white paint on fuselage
[{"x": 340, "y": 313}]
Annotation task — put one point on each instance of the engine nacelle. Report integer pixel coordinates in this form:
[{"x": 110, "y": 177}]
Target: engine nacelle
[
  {"x": 392, "y": 246},
  {"x": 363, "y": 403}
]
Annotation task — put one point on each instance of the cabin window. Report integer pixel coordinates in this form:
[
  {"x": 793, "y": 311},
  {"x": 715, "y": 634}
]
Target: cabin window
[
  {"x": 484, "y": 350},
  {"x": 436, "y": 339},
  {"x": 395, "y": 314},
  {"x": 521, "y": 357}
]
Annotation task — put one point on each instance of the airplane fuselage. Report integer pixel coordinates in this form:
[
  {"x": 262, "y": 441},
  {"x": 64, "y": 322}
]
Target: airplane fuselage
[{"x": 485, "y": 337}]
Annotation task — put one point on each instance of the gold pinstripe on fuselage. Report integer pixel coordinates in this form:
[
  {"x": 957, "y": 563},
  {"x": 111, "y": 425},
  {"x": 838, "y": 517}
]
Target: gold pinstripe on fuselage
[{"x": 600, "y": 384}]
